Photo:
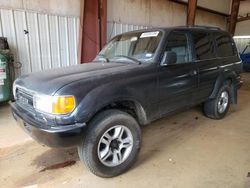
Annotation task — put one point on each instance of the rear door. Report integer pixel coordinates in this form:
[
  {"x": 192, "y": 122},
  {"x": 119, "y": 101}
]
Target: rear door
[
  {"x": 207, "y": 63},
  {"x": 177, "y": 82}
]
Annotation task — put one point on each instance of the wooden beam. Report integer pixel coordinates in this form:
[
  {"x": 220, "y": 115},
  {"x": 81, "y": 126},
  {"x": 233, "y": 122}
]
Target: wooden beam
[
  {"x": 93, "y": 26},
  {"x": 233, "y": 16},
  {"x": 245, "y": 18},
  {"x": 80, "y": 40},
  {"x": 191, "y": 12},
  {"x": 103, "y": 22},
  {"x": 201, "y": 8}
]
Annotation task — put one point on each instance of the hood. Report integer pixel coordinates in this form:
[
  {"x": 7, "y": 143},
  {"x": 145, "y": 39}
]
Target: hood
[{"x": 50, "y": 81}]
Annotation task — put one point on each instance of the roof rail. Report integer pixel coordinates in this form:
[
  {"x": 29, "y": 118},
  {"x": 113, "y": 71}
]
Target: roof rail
[{"x": 205, "y": 27}]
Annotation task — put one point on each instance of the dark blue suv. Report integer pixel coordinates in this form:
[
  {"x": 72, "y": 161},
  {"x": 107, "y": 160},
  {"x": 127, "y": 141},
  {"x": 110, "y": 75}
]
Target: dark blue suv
[{"x": 137, "y": 78}]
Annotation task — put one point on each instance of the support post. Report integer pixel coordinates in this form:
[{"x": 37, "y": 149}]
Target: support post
[
  {"x": 233, "y": 16},
  {"x": 80, "y": 37},
  {"x": 191, "y": 12},
  {"x": 93, "y": 26}
]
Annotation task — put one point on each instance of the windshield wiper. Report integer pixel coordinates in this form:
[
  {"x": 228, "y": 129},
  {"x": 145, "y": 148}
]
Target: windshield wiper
[{"x": 130, "y": 58}]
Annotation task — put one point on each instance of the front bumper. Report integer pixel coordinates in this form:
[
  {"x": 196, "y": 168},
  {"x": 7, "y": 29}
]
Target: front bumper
[{"x": 52, "y": 136}]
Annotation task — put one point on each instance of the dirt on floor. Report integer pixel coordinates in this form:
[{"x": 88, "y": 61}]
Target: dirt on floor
[
  {"x": 185, "y": 150},
  {"x": 246, "y": 81}
]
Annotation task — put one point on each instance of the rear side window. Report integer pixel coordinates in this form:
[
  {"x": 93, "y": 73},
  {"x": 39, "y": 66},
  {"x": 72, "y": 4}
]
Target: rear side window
[
  {"x": 203, "y": 45},
  {"x": 178, "y": 43},
  {"x": 225, "y": 45}
]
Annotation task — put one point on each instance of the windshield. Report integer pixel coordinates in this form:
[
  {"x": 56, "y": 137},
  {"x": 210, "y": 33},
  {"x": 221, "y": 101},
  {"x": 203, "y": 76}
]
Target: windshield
[{"x": 135, "y": 47}]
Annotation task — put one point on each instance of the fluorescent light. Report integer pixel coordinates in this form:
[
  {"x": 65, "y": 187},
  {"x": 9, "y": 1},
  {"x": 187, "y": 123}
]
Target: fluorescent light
[{"x": 242, "y": 37}]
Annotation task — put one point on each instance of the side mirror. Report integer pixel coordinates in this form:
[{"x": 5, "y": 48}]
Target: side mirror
[{"x": 169, "y": 58}]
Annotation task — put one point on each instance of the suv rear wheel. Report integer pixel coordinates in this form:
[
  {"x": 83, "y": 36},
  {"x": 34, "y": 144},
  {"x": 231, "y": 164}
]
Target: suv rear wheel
[
  {"x": 111, "y": 144},
  {"x": 218, "y": 107}
]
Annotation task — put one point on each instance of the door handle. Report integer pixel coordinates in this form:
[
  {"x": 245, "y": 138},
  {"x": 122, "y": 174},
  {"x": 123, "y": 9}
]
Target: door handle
[{"x": 193, "y": 73}]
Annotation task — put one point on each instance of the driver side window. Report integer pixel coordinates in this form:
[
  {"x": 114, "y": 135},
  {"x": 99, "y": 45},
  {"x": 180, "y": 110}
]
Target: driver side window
[{"x": 178, "y": 43}]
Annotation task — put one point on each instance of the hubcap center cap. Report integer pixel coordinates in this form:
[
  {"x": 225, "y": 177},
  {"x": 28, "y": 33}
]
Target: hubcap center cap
[
  {"x": 221, "y": 101},
  {"x": 114, "y": 144}
]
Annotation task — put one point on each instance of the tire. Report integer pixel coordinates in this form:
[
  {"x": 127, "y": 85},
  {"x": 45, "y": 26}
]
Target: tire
[
  {"x": 212, "y": 108},
  {"x": 120, "y": 153}
]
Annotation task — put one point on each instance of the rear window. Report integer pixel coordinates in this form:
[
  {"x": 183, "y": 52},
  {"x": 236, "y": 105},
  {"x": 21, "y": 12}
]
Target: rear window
[
  {"x": 225, "y": 45},
  {"x": 203, "y": 45}
]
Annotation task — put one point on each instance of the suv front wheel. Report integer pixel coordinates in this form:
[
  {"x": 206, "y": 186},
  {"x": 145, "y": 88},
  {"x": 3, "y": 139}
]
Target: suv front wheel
[
  {"x": 218, "y": 107},
  {"x": 111, "y": 144}
]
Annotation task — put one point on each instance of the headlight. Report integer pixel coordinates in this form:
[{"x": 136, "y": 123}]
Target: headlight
[{"x": 54, "y": 104}]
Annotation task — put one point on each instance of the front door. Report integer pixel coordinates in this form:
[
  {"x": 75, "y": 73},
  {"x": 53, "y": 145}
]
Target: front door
[{"x": 178, "y": 82}]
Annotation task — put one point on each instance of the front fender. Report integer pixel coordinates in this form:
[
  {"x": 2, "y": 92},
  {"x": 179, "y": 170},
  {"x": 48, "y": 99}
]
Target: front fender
[{"x": 105, "y": 95}]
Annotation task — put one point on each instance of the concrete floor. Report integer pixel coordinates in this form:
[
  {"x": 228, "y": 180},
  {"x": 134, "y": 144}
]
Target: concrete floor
[{"x": 185, "y": 150}]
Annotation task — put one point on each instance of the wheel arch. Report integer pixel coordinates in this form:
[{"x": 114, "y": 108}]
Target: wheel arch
[
  {"x": 226, "y": 77},
  {"x": 130, "y": 106}
]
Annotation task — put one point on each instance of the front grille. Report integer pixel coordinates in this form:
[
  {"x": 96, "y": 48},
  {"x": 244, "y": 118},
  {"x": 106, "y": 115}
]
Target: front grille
[{"x": 24, "y": 99}]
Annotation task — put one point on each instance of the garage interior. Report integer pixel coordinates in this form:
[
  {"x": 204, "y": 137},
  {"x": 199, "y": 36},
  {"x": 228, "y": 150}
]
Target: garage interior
[{"x": 183, "y": 150}]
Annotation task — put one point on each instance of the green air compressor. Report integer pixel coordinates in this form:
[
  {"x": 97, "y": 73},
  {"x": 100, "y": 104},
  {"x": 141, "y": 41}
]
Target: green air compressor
[{"x": 6, "y": 62}]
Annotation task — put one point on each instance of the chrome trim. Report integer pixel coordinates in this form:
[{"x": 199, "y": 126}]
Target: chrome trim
[
  {"x": 227, "y": 65},
  {"x": 209, "y": 69},
  {"x": 197, "y": 61},
  {"x": 25, "y": 89},
  {"x": 239, "y": 62}
]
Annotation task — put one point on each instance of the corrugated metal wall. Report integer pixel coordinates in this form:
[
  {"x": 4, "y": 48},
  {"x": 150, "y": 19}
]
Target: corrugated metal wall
[
  {"x": 115, "y": 28},
  {"x": 40, "y": 41},
  {"x": 241, "y": 44}
]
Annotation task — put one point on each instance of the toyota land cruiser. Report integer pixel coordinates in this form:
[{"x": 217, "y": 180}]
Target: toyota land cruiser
[{"x": 137, "y": 78}]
